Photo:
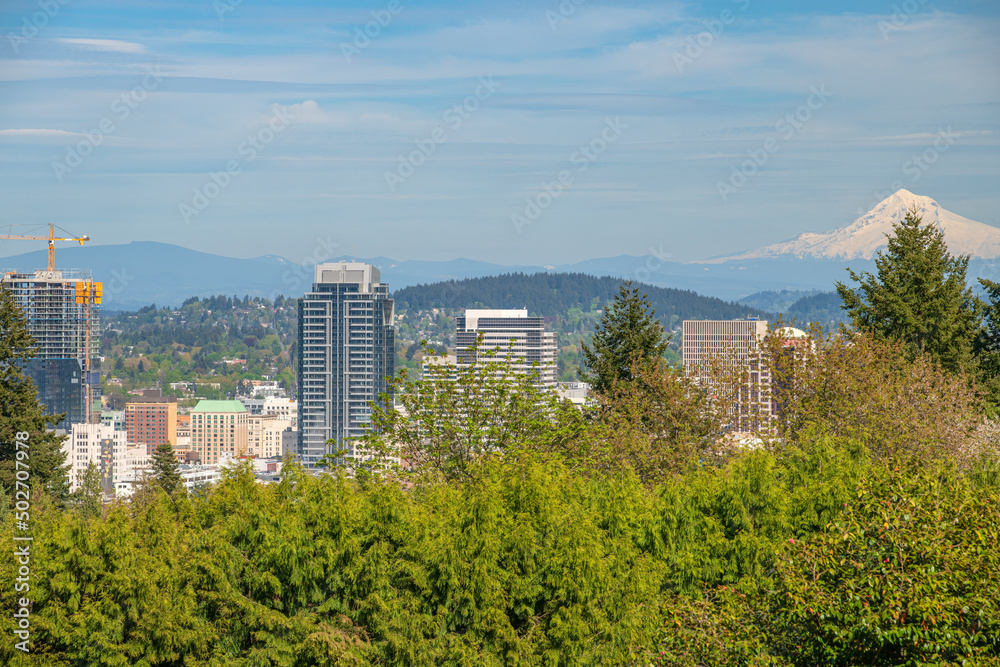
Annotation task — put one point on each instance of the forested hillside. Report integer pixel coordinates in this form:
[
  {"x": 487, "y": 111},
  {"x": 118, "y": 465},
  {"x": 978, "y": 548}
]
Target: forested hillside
[
  {"x": 216, "y": 340},
  {"x": 549, "y": 294},
  {"x": 163, "y": 345},
  {"x": 802, "y": 307}
]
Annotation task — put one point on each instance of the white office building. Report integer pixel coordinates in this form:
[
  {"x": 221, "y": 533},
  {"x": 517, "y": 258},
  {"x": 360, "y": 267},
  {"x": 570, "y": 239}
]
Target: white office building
[
  {"x": 532, "y": 348},
  {"x": 98, "y": 444}
]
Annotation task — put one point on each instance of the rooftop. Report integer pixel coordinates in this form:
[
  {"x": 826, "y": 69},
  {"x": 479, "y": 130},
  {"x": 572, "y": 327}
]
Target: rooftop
[{"x": 219, "y": 406}]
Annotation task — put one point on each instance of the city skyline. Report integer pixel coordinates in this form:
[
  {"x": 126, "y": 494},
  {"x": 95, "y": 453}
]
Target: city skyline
[{"x": 246, "y": 129}]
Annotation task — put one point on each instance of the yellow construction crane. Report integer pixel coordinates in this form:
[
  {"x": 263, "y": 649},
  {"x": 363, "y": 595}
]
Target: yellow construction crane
[{"x": 50, "y": 238}]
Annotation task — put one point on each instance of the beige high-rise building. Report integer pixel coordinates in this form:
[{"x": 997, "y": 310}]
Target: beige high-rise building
[
  {"x": 217, "y": 427},
  {"x": 736, "y": 344},
  {"x": 265, "y": 435}
]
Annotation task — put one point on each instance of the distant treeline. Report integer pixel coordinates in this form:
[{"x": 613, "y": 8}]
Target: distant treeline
[{"x": 556, "y": 293}]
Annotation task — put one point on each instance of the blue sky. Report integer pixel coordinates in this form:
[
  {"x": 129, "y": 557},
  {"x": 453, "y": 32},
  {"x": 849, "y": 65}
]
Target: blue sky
[{"x": 582, "y": 129}]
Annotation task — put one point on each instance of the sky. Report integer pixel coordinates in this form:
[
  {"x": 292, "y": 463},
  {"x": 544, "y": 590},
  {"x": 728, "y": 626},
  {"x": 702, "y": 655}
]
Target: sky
[{"x": 544, "y": 132}]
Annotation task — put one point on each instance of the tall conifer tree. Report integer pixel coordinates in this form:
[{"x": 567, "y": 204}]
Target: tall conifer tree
[
  {"x": 166, "y": 470},
  {"x": 919, "y": 296},
  {"x": 628, "y": 332}
]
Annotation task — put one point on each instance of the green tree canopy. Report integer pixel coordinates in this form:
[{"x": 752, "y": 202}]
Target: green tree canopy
[
  {"x": 919, "y": 296},
  {"x": 627, "y": 333}
]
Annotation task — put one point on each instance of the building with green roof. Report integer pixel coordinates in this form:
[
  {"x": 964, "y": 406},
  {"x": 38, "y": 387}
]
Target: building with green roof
[{"x": 218, "y": 427}]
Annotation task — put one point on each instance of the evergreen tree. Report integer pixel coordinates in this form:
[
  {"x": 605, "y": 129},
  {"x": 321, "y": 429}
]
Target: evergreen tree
[
  {"x": 919, "y": 296},
  {"x": 20, "y": 410},
  {"x": 627, "y": 333},
  {"x": 166, "y": 470},
  {"x": 89, "y": 496},
  {"x": 987, "y": 344}
]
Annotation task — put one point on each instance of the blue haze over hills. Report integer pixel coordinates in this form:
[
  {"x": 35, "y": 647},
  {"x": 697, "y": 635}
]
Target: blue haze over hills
[{"x": 143, "y": 272}]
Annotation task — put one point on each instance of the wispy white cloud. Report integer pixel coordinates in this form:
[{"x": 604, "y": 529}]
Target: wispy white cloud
[
  {"x": 114, "y": 45},
  {"x": 923, "y": 136},
  {"x": 41, "y": 135}
]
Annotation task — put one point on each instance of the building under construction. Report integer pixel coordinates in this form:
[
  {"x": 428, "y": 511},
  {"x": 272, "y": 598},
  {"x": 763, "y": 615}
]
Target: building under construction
[{"x": 61, "y": 307}]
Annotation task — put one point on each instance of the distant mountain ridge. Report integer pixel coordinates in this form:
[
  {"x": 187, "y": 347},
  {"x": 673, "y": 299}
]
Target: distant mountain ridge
[
  {"x": 867, "y": 235},
  {"x": 140, "y": 273}
]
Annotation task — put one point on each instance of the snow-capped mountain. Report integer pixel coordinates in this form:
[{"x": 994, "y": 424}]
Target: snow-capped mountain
[{"x": 863, "y": 237}]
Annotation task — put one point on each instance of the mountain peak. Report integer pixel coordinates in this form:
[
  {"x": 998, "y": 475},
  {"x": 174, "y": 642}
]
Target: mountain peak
[{"x": 864, "y": 237}]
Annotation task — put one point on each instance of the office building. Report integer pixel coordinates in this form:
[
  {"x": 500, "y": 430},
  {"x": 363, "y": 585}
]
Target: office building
[
  {"x": 265, "y": 435},
  {"x": 62, "y": 312},
  {"x": 533, "y": 349},
  {"x": 285, "y": 408},
  {"x": 577, "y": 393},
  {"x": 114, "y": 419},
  {"x": 100, "y": 445},
  {"x": 346, "y": 351},
  {"x": 152, "y": 421},
  {"x": 731, "y": 347},
  {"x": 219, "y": 428}
]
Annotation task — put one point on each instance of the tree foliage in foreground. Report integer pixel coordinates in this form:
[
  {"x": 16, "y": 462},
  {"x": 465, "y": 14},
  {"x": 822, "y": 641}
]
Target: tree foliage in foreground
[
  {"x": 814, "y": 556},
  {"x": 530, "y": 533}
]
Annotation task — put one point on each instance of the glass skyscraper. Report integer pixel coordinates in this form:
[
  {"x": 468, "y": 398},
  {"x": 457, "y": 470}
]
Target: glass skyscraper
[
  {"x": 346, "y": 352},
  {"x": 66, "y": 330}
]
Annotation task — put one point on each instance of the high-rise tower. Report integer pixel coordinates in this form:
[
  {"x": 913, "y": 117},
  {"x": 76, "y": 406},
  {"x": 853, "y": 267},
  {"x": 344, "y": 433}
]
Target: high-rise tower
[
  {"x": 346, "y": 350},
  {"x": 61, "y": 307}
]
